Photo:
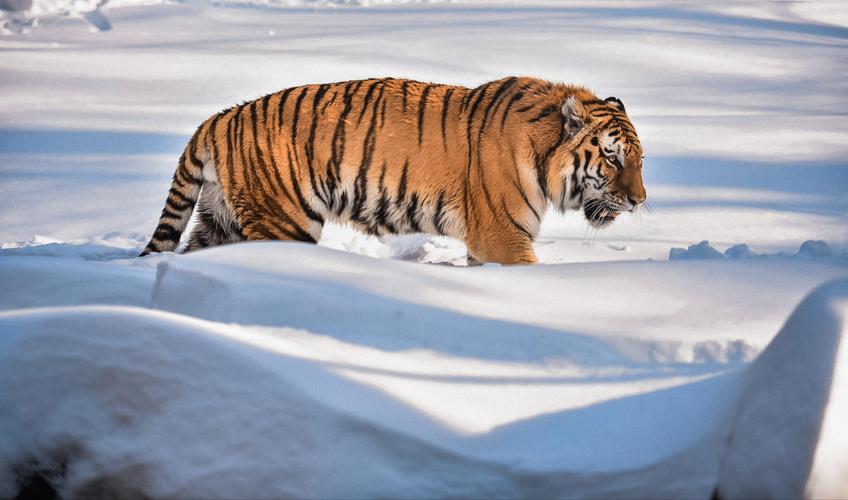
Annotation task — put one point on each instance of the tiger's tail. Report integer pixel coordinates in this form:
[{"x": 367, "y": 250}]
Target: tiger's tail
[{"x": 183, "y": 195}]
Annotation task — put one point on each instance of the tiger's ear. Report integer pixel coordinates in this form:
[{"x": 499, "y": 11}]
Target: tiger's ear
[
  {"x": 615, "y": 101},
  {"x": 574, "y": 114}
]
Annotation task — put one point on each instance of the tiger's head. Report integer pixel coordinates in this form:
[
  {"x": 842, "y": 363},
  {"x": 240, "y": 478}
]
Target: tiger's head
[{"x": 600, "y": 160}]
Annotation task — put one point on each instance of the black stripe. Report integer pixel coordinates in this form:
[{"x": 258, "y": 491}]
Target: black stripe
[
  {"x": 382, "y": 214},
  {"x": 179, "y": 206},
  {"x": 259, "y": 227},
  {"x": 186, "y": 177},
  {"x": 540, "y": 164},
  {"x": 360, "y": 190},
  {"x": 402, "y": 185},
  {"x": 515, "y": 222},
  {"x": 368, "y": 146},
  {"x": 541, "y": 161},
  {"x": 310, "y": 142},
  {"x": 296, "y": 118},
  {"x": 261, "y": 166},
  {"x": 192, "y": 155},
  {"x": 381, "y": 180},
  {"x": 249, "y": 167},
  {"x": 342, "y": 203},
  {"x": 544, "y": 113},
  {"x": 338, "y": 144},
  {"x": 526, "y": 200},
  {"x": 282, "y": 105},
  {"x": 239, "y": 138},
  {"x": 512, "y": 100},
  {"x": 298, "y": 232},
  {"x": 439, "y": 214},
  {"x": 403, "y": 90},
  {"x": 517, "y": 183},
  {"x": 281, "y": 185},
  {"x": 469, "y": 96},
  {"x": 469, "y": 122},
  {"x": 310, "y": 212},
  {"x": 177, "y": 177},
  {"x": 445, "y": 107},
  {"x": 230, "y": 147},
  {"x": 480, "y": 173},
  {"x": 383, "y": 114},
  {"x": 179, "y": 196},
  {"x": 496, "y": 99},
  {"x": 367, "y": 99},
  {"x": 576, "y": 188},
  {"x": 422, "y": 107},
  {"x": 328, "y": 186},
  {"x": 167, "y": 232},
  {"x": 330, "y": 102},
  {"x": 166, "y": 212},
  {"x": 412, "y": 213},
  {"x": 312, "y": 180},
  {"x": 525, "y": 108},
  {"x": 356, "y": 85},
  {"x": 265, "y": 100},
  {"x": 213, "y": 130}
]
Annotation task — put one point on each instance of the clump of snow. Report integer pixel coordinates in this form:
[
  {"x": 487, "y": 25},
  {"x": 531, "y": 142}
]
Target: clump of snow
[
  {"x": 417, "y": 247},
  {"x": 739, "y": 251},
  {"x": 812, "y": 249},
  {"x": 702, "y": 250}
]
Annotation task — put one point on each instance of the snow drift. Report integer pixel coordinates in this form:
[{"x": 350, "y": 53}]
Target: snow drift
[{"x": 126, "y": 400}]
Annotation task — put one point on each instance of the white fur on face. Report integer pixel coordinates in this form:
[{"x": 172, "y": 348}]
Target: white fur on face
[{"x": 611, "y": 147}]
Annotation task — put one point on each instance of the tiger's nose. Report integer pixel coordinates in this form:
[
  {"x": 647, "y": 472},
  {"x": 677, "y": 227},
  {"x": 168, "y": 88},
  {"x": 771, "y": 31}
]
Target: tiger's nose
[{"x": 635, "y": 201}]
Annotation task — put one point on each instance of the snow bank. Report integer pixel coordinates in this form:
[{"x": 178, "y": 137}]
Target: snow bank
[
  {"x": 108, "y": 247},
  {"x": 788, "y": 438},
  {"x": 809, "y": 250},
  {"x": 130, "y": 401},
  {"x": 644, "y": 311}
]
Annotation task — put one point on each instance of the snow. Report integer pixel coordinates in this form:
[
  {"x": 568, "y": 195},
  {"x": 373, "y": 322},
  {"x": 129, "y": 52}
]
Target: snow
[
  {"x": 145, "y": 400},
  {"x": 807, "y": 357},
  {"x": 625, "y": 364}
]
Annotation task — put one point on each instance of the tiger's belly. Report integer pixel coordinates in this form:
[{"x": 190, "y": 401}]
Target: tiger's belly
[{"x": 383, "y": 213}]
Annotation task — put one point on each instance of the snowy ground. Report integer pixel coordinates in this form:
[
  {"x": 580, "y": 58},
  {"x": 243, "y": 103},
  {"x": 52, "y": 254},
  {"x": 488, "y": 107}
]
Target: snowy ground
[{"x": 288, "y": 370}]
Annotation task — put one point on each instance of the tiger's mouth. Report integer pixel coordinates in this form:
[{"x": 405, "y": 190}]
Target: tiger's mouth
[{"x": 599, "y": 214}]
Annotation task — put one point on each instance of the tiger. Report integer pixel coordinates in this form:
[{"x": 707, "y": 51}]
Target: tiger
[{"x": 394, "y": 156}]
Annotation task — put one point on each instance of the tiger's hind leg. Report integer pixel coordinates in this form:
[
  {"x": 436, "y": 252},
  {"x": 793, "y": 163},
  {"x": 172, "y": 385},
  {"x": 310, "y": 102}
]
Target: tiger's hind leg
[
  {"x": 216, "y": 224},
  {"x": 281, "y": 220}
]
